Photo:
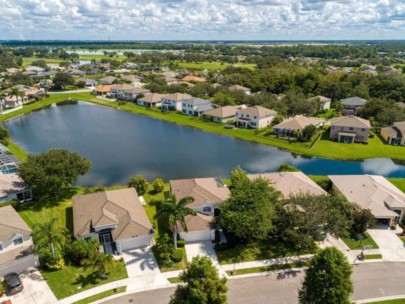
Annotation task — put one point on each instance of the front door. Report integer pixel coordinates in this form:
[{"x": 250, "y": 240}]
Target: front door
[{"x": 106, "y": 238}]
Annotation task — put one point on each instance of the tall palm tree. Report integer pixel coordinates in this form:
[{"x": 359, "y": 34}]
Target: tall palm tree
[
  {"x": 175, "y": 212},
  {"x": 16, "y": 92},
  {"x": 49, "y": 234},
  {"x": 101, "y": 262}
]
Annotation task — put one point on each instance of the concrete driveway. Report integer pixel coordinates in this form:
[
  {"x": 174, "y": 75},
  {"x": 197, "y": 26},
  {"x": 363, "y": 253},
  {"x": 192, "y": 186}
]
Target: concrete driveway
[
  {"x": 36, "y": 290},
  {"x": 142, "y": 268},
  {"x": 204, "y": 248},
  {"x": 391, "y": 246}
]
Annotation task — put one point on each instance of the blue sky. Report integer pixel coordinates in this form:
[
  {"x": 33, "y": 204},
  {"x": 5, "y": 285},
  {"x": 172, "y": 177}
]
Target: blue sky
[{"x": 202, "y": 19}]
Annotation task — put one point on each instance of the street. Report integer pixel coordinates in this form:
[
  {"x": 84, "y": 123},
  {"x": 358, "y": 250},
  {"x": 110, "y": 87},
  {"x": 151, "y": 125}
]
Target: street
[{"x": 371, "y": 280}]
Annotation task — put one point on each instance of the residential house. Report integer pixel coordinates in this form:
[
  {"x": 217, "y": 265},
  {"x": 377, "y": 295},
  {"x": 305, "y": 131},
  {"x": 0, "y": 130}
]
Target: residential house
[
  {"x": 254, "y": 117},
  {"x": 374, "y": 192},
  {"x": 102, "y": 90},
  {"x": 332, "y": 69},
  {"x": 191, "y": 78},
  {"x": 133, "y": 79},
  {"x": 370, "y": 69},
  {"x": 237, "y": 87},
  {"x": 352, "y": 105},
  {"x": 289, "y": 127},
  {"x": 171, "y": 80},
  {"x": 133, "y": 93},
  {"x": 401, "y": 104},
  {"x": 348, "y": 70},
  {"x": 151, "y": 100},
  {"x": 394, "y": 135},
  {"x": 88, "y": 83},
  {"x": 324, "y": 102},
  {"x": 290, "y": 184},
  {"x": 196, "y": 106},
  {"x": 117, "y": 91},
  {"x": 224, "y": 114},
  {"x": 12, "y": 187},
  {"x": 29, "y": 92},
  {"x": 170, "y": 74},
  {"x": 208, "y": 194},
  {"x": 116, "y": 218},
  {"x": 173, "y": 102},
  {"x": 16, "y": 246},
  {"x": 108, "y": 80},
  {"x": 349, "y": 129}
]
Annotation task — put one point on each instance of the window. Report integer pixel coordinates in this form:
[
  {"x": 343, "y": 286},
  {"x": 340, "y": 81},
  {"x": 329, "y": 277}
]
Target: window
[
  {"x": 254, "y": 117},
  {"x": 363, "y": 130},
  {"x": 351, "y": 129},
  {"x": 333, "y": 127},
  {"x": 207, "y": 209},
  {"x": 253, "y": 123},
  {"x": 247, "y": 116},
  {"x": 1, "y": 247},
  {"x": 18, "y": 241}
]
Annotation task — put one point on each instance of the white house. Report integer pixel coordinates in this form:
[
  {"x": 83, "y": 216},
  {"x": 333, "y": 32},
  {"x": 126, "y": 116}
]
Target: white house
[
  {"x": 151, "y": 100},
  {"x": 116, "y": 218},
  {"x": 254, "y": 117},
  {"x": 172, "y": 102},
  {"x": 324, "y": 102},
  {"x": 196, "y": 106}
]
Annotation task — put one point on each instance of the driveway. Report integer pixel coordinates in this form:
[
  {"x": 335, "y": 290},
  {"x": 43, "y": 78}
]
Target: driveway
[
  {"x": 36, "y": 290},
  {"x": 142, "y": 268},
  {"x": 391, "y": 246},
  {"x": 204, "y": 248}
]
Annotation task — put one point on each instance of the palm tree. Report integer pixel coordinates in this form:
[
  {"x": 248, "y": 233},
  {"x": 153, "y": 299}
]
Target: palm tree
[
  {"x": 16, "y": 92},
  {"x": 101, "y": 262},
  {"x": 175, "y": 212},
  {"x": 49, "y": 234},
  {"x": 2, "y": 97}
]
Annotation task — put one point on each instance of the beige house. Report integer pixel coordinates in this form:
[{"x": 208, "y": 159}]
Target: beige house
[
  {"x": 13, "y": 187},
  {"x": 108, "y": 80},
  {"x": 223, "y": 114},
  {"x": 349, "y": 129},
  {"x": 173, "y": 102},
  {"x": 117, "y": 91},
  {"x": 254, "y": 117},
  {"x": 394, "y": 135},
  {"x": 237, "y": 87},
  {"x": 16, "y": 246},
  {"x": 289, "y": 127},
  {"x": 151, "y": 100},
  {"x": 290, "y": 183},
  {"x": 116, "y": 218},
  {"x": 374, "y": 192},
  {"x": 133, "y": 93},
  {"x": 323, "y": 101},
  {"x": 208, "y": 194}
]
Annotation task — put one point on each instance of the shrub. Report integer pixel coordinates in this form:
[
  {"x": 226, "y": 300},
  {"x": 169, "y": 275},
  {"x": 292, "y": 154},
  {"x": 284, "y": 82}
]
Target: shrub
[
  {"x": 121, "y": 103},
  {"x": 158, "y": 185},
  {"x": 371, "y": 135},
  {"x": 139, "y": 183},
  {"x": 4, "y": 134},
  {"x": 46, "y": 259},
  {"x": 181, "y": 243},
  {"x": 177, "y": 255}
]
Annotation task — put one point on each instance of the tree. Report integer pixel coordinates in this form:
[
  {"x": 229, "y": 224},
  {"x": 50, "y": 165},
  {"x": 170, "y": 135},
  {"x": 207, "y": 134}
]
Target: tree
[
  {"x": 362, "y": 220},
  {"x": 307, "y": 133},
  {"x": 81, "y": 249},
  {"x": 4, "y": 134},
  {"x": 15, "y": 91},
  {"x": 249, "y": 211},
  {"x": 139, "y": 183},
  {"x": 49, "y": 172},
  {"x": 175, "y": 212},
  {"x": 61, "y": 80},
  {"x": 201, "y": 284},
  {"x": 48, "y": 233},
  {"x": 101, "y": 262},
  {"x": 327, "y": 280},
  {"x": 158, "y": 185}
]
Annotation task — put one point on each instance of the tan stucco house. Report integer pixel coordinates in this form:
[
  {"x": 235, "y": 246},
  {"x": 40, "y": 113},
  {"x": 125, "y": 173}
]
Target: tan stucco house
[
  {"x": 394, "y": 135},
  {"x": 349, "y": 129}
]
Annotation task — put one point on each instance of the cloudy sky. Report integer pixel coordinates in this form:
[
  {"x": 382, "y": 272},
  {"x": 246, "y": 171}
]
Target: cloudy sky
[{"x": 202, "y": 19}]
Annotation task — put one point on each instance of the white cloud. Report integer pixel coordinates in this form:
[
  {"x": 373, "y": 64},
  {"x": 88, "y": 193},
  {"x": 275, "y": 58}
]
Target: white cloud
[{"x": 202, "y": 19}]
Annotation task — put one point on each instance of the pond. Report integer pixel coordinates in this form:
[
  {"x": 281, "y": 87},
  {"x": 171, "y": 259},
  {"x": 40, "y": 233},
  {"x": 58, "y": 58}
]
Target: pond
[{"x": 121, "y": 144}]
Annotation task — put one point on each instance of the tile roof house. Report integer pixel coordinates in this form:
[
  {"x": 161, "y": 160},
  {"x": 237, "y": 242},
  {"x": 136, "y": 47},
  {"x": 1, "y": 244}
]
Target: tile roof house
[
  {"x": 16, "y": 246},
  {"x": 151, "y": 100},
  {"x": 324, "y": 101},
  {"x": 237, "y": 87},
  {"x": 208, "y": 194},
  {"x": 289, "y": 127},
  {"x": 290, "y": 183},
  {"x": 223, "y": 114},
  {"x": 191, "y": 78},
  {"x": 108, "y": 80},
  {"x": 196, "y": 106},
  {"x": 13, "y": 187},
  {"x": 352, "y": 105},
  {"x": 173, "y": 102},
  {"x": 116, "y": 218},
  {"x": 133, "y": 93},
  {"x": 117, "y": 91},
  {"x": 254, "y": 117},
  {"x": 385, "y": 201},
  {"x": 102, "y": 90},
  {"x": 394, "y": 135},
  {"x": 349, "y": 129}
]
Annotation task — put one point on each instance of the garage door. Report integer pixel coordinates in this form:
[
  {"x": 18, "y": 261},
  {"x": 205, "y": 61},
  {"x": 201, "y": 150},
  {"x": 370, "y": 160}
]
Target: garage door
[
  {"x": 197, "y": 236},
  {"x": 19, "y": 265},
  {"x": 136, "y": 242}
]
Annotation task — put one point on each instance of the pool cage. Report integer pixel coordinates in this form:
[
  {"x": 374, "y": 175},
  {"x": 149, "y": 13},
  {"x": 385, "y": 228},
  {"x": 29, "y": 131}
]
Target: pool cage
[{"x": 8, "y": 163}]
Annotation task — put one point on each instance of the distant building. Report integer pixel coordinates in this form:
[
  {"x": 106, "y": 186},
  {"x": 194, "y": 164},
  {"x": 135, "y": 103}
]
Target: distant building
[
  {"x": 236, "y": 87},
  {"x": 352, "y": 105},
  {"x": 324, "y": 101}
]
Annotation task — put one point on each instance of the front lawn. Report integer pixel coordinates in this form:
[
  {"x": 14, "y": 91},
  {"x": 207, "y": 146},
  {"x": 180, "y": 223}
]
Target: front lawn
[
  {"x": 267, "y": 268},
  {"x": 397, "y": 301},
  {"x": 73, "y": 279},
  {"x": 102, "y": 295},
  {"x": 174, "y": 266},
  {"x": 372, "y": 256},
  {"x": 257, "y": 251},
  {"x": 353, "y": 243}
]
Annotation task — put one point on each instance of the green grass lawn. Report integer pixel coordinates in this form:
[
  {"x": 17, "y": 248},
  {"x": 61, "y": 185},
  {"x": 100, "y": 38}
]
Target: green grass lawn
[
  {"x": 256, "y": 251},
  {"x": 28, "y": 60},
  {"x": 398, "y": 182},
  {"x": 73, "y": 279},
  {"x": 215, "y": 65},
  {"x": 102, "y": 295},
  {"x": 174, "y": 280},
  {"x": 267, "y": 268},
  {"x": 356, "y": 244},
  {"x": 372, "y": 256},
  {"x": 397, "y": 301},
  {"x": 100, "y": 56}
]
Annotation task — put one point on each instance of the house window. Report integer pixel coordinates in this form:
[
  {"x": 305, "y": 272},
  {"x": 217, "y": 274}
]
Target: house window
[
  {"x": 350, "y": 129},
  {"x": 253, "y": 123},
  {"x": 254, "y": 117},
  {"x": 341, "y": 128},
  {"x": 207, "y": 209},
  {"x": 363, "y": 130},
  {"x": 18, "y": 241},
  {"x": 247, "y": 116},
  {"x": 1, "y": 247},
  {"x": 333, "y": 127}
]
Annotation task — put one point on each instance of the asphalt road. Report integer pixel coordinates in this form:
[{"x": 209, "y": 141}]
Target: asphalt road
[{"x": 371, "y": 280}]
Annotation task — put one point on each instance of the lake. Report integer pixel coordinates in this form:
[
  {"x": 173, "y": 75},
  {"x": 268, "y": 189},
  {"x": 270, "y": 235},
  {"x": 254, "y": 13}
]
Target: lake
[{"x": 121, "y": 144}]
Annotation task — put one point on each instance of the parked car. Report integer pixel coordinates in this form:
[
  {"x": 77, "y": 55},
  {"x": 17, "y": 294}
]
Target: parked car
[{"x": 13, "y": 283}]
